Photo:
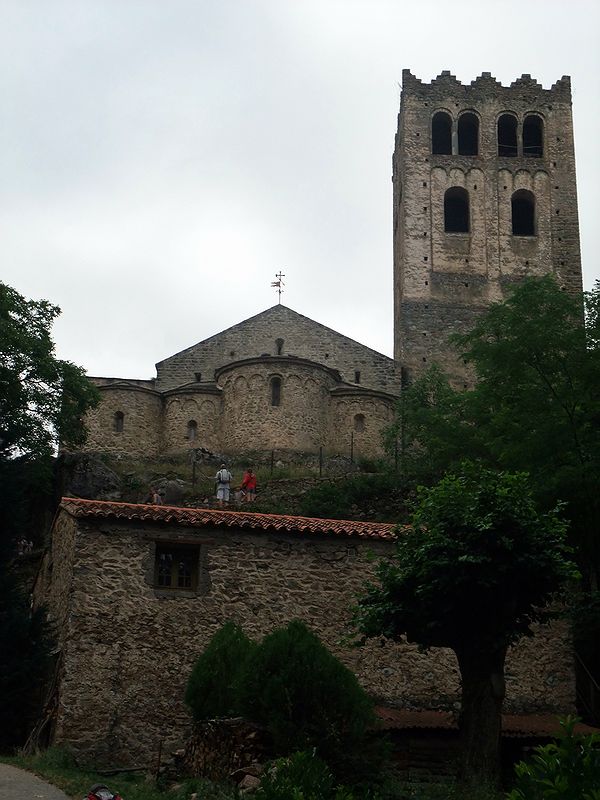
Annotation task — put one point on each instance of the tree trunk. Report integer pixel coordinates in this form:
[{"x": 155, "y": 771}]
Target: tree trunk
[{"x": 480, "y": 723}]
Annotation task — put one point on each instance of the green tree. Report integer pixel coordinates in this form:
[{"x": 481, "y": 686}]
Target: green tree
[
  {"x": 213, "y": 687},
  {"x": 535, "y": 406},
  {"x": 477, "y": 568},
  {"x": 307, "y": 698},
  {"x": 25, "y": 657},
  {"x": 42, "y": 398}
]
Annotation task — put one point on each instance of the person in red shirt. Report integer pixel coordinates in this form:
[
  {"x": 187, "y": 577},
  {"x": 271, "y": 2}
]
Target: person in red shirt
[{"x": 248, "y": 486}]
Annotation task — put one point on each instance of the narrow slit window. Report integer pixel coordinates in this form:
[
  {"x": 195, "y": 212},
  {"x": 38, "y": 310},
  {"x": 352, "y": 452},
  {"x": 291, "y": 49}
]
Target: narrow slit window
[
  {"x": 441, "y": 133},
  {"x": 507, "y": 135},
  {"x": 279, "y": 346},
  {"x": 356, "y": 376},
  {"x": 533, "y": 136},
  {"x": 192, "y": 430},
  {"x": 468, "y": 135},
  {"x": 523, "y": 213},
  {"x": 276, "y": 391},
  {"x": 198, "y": 376},
  {"x": 118, "y": 422},
  {"x": 359, "y": 422},
  {"x": 456, "y": 210}
]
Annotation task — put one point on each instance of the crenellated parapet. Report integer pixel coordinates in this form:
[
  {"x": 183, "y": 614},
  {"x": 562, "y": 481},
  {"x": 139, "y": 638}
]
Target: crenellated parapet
[{"x": 486, "y": 86}]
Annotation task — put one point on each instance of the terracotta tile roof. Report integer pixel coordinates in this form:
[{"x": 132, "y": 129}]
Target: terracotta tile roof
[
  {"x": 513, "y": 725},
  {"x": 201, "y": 518}
]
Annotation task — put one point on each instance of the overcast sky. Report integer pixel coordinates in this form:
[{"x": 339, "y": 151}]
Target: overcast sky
[{"x": 161, "y": 160}]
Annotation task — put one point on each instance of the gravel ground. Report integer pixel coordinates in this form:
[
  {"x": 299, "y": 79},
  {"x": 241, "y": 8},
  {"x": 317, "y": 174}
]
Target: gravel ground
[{"x": 17, "y": 784}]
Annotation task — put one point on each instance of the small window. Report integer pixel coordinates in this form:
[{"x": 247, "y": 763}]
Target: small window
[
  {"x": 468, "y": 135},
  {"x": 192, "y": 430},
  {"x": 276, "y": 391},
  {"x": 279, "y": 346},
  {"x": 198, "y": 376},
  {"x": 456, "y": 210},
  {"x": 507, "y": 135},
  {"x": 176, "y": 567},
  {"x": 441, "y": 133},
  {"x": 359, "y": 423},
  {"x": 118, "y": 421},
  {"x": 533, "y": 136},
  {"x": 356, "y": 376},
  {"x": 523, "y": 213}
]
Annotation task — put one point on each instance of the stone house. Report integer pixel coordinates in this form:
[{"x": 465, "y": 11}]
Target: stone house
[{"x": 136, "y": 591}]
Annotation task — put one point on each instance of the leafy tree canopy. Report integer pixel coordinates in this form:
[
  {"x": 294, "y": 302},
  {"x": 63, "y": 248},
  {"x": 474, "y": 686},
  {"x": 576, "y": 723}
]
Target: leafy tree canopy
[
  {"x": 535, "y": 405},
  {"x": 474, "y": 572},
  {"x": 42, "y": 398}
]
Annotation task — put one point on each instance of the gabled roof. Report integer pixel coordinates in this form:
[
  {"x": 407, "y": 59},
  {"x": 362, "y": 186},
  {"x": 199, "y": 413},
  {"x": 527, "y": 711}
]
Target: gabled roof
[
  {"x": 277, "y": 310},
  {"x": 209, "y": 518}
]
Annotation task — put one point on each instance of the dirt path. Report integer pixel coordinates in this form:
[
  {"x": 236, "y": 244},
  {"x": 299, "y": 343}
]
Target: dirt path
[{"x": 16, "y": 784}]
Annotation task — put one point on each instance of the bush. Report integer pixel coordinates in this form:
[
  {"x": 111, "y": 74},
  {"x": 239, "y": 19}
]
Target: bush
[
  {"x": 213, "y": 686},
  {"x": 26, "y": 645},
  {"x": 383, "y": 495},
  {"x": 305, "y": 697},
  {"x": 563, "y": 770},
  {"x": 302, "y": 776}
]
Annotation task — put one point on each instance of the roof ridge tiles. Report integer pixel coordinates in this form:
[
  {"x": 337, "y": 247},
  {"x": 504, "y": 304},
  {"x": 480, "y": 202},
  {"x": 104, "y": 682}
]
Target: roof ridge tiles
[{"x": 246, "y": 520}]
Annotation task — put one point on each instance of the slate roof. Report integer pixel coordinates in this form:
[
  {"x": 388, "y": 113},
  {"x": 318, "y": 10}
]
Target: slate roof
[
  {"x": 244, "y": 520},
  {"x": 513, "y": 725}
]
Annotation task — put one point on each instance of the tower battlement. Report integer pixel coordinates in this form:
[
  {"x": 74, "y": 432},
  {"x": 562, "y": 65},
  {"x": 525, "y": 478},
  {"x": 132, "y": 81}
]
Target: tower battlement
[{"x": 484, "y": 84}]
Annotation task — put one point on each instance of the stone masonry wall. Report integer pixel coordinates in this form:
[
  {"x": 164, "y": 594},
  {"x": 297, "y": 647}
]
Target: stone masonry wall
[
  {"x": 128, "y": 651},
  {"x": 346, "y": 425},
  {"x": 442, "y": 281},
  {"x": 179, "y": 410},
  {"x": 299, "y": 422},
  {"x": 301, "y": 337},
  {"x": 142, "y": 422}
]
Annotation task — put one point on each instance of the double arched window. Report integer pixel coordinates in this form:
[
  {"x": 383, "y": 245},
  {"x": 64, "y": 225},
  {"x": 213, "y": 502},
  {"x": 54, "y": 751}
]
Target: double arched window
[
  {"x": 532, "y": 136},
  {"x": 523, "y": 213},
  {"x": 456, "y": 210},
  {"x": 467, "y": 134}
]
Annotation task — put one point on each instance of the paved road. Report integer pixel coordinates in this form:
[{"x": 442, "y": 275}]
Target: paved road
[{"x": 16, "y": 784}]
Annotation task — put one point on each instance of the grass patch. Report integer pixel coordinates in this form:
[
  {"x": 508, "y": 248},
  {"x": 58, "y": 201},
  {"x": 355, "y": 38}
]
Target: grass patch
[{"x": 61, "y": 769}]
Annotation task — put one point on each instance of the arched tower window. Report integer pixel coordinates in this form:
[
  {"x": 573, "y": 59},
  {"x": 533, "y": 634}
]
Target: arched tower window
[
  {"x": 278, "y": 346},
  {"x": 359, "y": 422},
  {"x": 192, "y": 430},
  {"x": 441, "y": 133},
  {"x": 523, "y": 213},
  {"x": 456, "y": 210},
  {"x": 507, "y": 135},
  {"x": 533, "y": 136},
  {"x": 468, "y": 134},
  {"x": 276, "y": 391},
  {"x": 118, "y": 421}
]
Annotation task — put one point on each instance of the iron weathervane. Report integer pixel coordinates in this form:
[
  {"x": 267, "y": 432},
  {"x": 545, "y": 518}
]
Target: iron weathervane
[{"x": 278, "y": 284}]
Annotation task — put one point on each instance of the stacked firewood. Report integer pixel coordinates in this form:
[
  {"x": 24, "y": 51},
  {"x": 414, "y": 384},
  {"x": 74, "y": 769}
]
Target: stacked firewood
[{"x": 225, "y": 749}]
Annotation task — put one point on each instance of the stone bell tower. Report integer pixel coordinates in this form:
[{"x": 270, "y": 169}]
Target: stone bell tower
[{"x": 484, "y": 195}]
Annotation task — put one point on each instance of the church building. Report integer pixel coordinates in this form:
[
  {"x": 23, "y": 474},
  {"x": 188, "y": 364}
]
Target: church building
[{"x": 484, "y": 195}]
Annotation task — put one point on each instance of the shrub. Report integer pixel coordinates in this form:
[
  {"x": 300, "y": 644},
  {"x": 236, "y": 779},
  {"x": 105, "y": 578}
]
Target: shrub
[
  {"x": 213, "y": 686},
  {"x": 564, "y": 770},
  {"x": 302, "y": 776},
  {"x": 305, "y": 697}
]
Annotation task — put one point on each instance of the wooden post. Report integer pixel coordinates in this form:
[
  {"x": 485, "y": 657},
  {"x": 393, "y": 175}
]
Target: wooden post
[
  {"x": 321, "y": 461},
  {"x": 272, "y": 460},
  {"x": 352, "y": 447},
  {"x": 158, "y": 760}
]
